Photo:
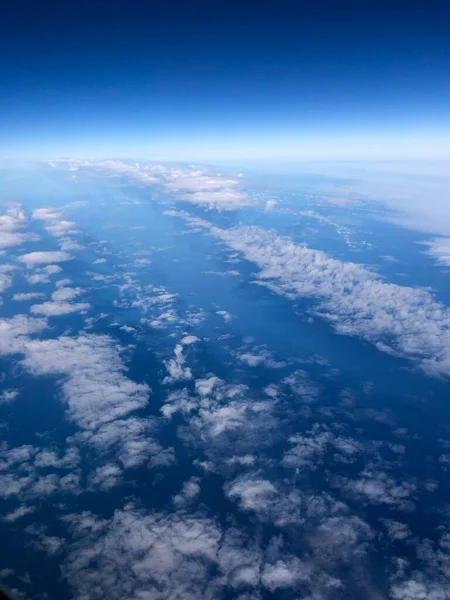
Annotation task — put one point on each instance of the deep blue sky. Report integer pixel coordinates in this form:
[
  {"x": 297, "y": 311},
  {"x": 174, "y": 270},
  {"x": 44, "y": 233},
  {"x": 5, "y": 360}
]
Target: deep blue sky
[{"x": 225, "y": 79}]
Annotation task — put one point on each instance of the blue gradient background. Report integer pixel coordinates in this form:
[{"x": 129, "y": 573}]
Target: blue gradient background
[{"x": 215, "y": 80}]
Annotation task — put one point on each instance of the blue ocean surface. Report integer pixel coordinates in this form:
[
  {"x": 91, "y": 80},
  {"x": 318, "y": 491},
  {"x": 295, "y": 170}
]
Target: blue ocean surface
[{"x": 218, "y": 387}]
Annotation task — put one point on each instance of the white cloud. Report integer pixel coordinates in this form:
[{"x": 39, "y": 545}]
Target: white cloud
[
  {"x": 21, "y": 475},
  {"x": 51, "y": 269},
  {"x": 439, "y": 249},
  {"x": 17, "y": 514},
  {"x": 10, "y": 225},
  {"x": 191, "y": 184},
  {"x": 8, "y": 396},
  {"x": 14, "y": 333},
  {"x": 96, "y": 389},
  {"x": 28, "y": 296},
  {"x": 175, "y": 366},
  {"x": 188, "y": 493},
  {"x": 8, "y": 239},
  {"x": 402, "y": 320},
  {"x": 44, "y": 257},
  {"x": 253, "y": 494},
  {"x": 227, "y": 317},
  {"x": 62, "y": 294},
  {"x": 377, "y": 487},
  {"x": 5, "y": 282},
  {"x": 152, "y": 556},
  {"x": 106, "y": 477},
  {"x": 56, "y": 309},
  {"x": 396, "y": 530},
  {"x": 259, "y": 357},
  {"x": 37, "y": 278},
  {"x": 285, "y": 574}
]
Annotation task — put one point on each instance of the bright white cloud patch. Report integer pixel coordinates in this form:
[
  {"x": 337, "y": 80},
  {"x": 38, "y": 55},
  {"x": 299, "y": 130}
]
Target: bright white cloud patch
[
  {"x": 402, "y": 320},
  {"x": 11, "y": 224},
  {"x": 8, "y": 396},
  {"x": 175, "y": 366},
  {"x": 96, "y": 389},
  {"x": 196, "y": 185},
  {"x": 439, "y": 249},
  {"x": 33, "y": 259},
  {"x": 28, "y": 296},
  {"x": 56, "y": 309}
]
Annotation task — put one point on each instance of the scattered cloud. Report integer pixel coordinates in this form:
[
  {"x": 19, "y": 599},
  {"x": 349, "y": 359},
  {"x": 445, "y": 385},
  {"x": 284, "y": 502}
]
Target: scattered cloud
[
  {"x": 188, "y": 494},
  {"x": 401, "y": 320},
  {"x": 43, "y": 258},
  {"x": 25, "y": 297},
  {"x": 7, "y": 396},
  {"x": 56, "y": 309}
]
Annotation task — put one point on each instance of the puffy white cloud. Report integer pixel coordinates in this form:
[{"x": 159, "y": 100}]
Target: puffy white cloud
[
  {"x": 60, "y": 304},
  {"x": 145, "y": 556},
  {"x": 439, "y": 249},
  {"x": 56, "y": 309},
  {"x": 175, "y": 366},
  {"x": 20, "y": 512},
  {"x": 106, "y": 477},
  {"x": 21, "y": 474},
  {"x": 96, "y": 388},
  {"x": 5, "y": 282},
  {"x": 285, "y": 574},
  {"x": 46, "y": 213},
  {"x": 191, "y": 184},
  {"x": 43, "y": 257},
  {"x": 377, "y": 487},
  {"x": 37, "y": 278},
  {"x": 62, "y": 294},
  {"x": 28, "y": 296},
  {"x": 8, "y": 396},
  {"x": 253, "y": 494},
  {"x": 260, "y": 357},
  {"x": 9, "y": 239},
  {"x": 10, "y": 225},
  {"x": 51, "y": 269},
  {"x": 227, "y": 317},
  {"x": 396, "y": 530},
  {"x": 58, "y": 227},
  {"x": 188, "y": 494},
  {"x": 398, "y": 319},
  {"x": 14, "y": 333}
]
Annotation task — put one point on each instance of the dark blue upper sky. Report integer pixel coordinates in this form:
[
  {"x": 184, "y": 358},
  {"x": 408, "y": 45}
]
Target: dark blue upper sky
[{"x": 224, "y": 79}]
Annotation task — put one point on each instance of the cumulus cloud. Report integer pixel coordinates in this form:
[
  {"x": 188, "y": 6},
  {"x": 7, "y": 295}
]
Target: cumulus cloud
[
  {"x": 402, "y": 320},
  {"x": 106, "y": 477},
  {"x": 162, "y": 556},
  {"x": 5, "y": 282},
  {"x": 17, "y": 514},
  {"x": 8, "y": 396},
  {"x": 43, "y": 258},
  {"x": 24, "y": 297},
  {"x": 56, "y": 309},
  {"x": 96, "y": 389},
  {"x": 15, "y": 332},
  {"x": 439, "y": 249},
  {"x": 192, "y": 184},
  {"x": 51, "y": 269},
  {"x": 24, "y": 473},
  {"x": 377, "y": 487},
  {"x": 175, "y": 366},
  {"x": 189, "y": 492},
  {"x": 10, "y": 225},
  {"x": 37, "y": 278}
]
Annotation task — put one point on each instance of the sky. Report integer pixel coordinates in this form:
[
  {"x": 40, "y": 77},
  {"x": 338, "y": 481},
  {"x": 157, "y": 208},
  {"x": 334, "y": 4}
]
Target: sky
[{"x": 225, "y": 80}]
